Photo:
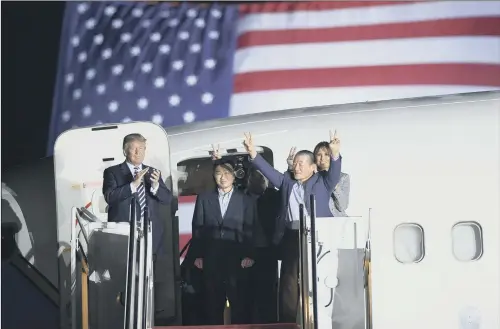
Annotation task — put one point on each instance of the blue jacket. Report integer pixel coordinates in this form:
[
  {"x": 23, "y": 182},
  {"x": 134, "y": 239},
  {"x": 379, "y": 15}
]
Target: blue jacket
[{"x": 319, "y": 185}]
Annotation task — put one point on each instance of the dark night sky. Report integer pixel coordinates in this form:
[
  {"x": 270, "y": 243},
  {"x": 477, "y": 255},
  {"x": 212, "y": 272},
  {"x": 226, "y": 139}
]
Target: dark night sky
[{"x": 30, "y": 46}]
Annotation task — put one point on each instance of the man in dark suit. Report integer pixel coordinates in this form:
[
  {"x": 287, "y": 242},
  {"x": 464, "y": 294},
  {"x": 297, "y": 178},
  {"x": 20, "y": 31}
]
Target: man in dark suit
[
  {"x": 129, "y": 179},
  {"x": 222, "y": 246},
  {"x": 132, "y": 178},
  {"x": 297, "y": 190}
]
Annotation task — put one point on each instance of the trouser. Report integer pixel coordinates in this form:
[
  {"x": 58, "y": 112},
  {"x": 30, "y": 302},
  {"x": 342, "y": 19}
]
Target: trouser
[
  {"x": 163, "y": 291},
  {"x": 264, "y": 286},
  {"x": 289, "y": 277},
  {"x": 229, "y": 281}
]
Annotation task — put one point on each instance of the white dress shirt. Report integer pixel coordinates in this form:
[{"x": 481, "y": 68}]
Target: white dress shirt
[
  {"x": 224, "y": 199},
  {"x": 295, "y": 200}
]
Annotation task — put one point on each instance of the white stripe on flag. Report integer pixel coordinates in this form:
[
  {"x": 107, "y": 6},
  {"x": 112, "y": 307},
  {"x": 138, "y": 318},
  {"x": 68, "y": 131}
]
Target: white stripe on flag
[
  {"x": 384, "y": 14},
  {"x": 481, "y": 49}
]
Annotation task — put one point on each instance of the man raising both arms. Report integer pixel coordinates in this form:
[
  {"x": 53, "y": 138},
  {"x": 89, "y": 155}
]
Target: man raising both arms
[{"x": 296, "y": 190}]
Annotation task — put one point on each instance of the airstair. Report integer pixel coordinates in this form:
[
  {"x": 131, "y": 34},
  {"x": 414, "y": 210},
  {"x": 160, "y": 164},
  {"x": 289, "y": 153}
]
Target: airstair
[
  {"x": 25, "y": 290},
  {"x": 112, "y": 274}
]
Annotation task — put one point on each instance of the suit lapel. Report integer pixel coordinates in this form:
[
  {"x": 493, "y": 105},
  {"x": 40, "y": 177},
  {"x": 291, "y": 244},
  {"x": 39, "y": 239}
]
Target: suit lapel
[
  {"x": 126, "y": 172},
  {"x": 215, "y": 205}
]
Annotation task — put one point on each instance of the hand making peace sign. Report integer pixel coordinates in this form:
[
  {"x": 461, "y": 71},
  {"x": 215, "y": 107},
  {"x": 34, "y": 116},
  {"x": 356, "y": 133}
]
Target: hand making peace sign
[
  {"x": 249, "y": 147},
  {"x": 216, "y": 152},
  {"x": 291, "y": 156},
  {"x": 334, "y": 144}
]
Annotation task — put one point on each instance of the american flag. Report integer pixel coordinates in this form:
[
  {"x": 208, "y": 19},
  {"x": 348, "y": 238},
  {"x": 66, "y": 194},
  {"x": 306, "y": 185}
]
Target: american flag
[
  {"x": 176, "y": 64},
  {"x": 124, "y": 61}
]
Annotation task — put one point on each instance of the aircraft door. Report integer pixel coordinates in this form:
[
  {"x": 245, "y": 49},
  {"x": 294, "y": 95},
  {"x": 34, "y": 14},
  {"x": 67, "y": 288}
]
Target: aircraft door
[
  {"x": 80, "y": 157},
  {"x": 338, "y": 299}
]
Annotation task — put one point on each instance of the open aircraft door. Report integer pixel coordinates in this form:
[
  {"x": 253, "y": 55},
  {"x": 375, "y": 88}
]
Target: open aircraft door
[{"x": 80, "y": 157}]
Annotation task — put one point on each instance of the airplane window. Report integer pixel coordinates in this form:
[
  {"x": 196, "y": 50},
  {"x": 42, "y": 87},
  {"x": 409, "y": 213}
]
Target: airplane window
[
  {"x": 467, "y": 241},
  {"x": 409, "y": 244}
]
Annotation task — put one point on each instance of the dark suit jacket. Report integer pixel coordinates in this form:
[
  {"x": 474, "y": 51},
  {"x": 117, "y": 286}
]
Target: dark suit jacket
[
  {"x": 340, "y": 195},
  {"x": 118, "y": 195},
  {"x": 236, "y": 227},
  {"x": 268, "y": 207},
  {"x": 320, "y": 185}
]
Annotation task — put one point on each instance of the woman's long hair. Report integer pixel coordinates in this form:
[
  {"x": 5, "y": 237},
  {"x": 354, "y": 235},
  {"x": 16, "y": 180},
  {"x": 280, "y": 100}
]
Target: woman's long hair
[{"x": 322, "y": 145}]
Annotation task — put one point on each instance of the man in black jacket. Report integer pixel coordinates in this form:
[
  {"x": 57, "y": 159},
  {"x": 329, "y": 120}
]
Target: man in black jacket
[{"x": 223, "y": 247}]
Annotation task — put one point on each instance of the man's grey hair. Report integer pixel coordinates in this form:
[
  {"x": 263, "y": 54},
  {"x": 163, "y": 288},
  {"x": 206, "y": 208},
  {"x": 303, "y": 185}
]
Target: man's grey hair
[
  {"x": 132, "y": 138},
  {"x": 306, "y": 153}
]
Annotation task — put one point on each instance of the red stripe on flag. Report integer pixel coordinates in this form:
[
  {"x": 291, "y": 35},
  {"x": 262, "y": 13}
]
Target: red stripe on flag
[
  {"x": 187, "y": 199},
  {"x": 292, "y": 6},
  {"x": 487, "y": 26},
  {"x": 183, "y": 240},
  {"x": 417, "y": 74}
]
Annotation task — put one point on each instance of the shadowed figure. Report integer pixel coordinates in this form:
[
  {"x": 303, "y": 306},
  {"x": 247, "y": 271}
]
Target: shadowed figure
[{"x": 264, "y": 278}]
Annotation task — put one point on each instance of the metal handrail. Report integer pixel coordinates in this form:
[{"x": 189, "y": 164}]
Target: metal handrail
[
  {"x": 309, "y": 319},
  {"x": 139, "y": 294},
  {"x": 130, "y": 288},
  {"x": 314, "y": 263},
  {"x": 138, "y": 298},
  {"x": 145, "y": 282},
  {"x": 303, "y": 271}
]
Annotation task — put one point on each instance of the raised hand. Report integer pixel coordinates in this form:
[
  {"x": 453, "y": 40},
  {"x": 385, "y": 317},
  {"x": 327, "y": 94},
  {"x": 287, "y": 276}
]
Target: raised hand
[
  {"x": 291, "y": 156},
  {"x": 249, "y": 147},
  {"x": 216, "y": 152},
  {"x": 247, "y": 262},
  {"x": 334, "y": 144}
]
